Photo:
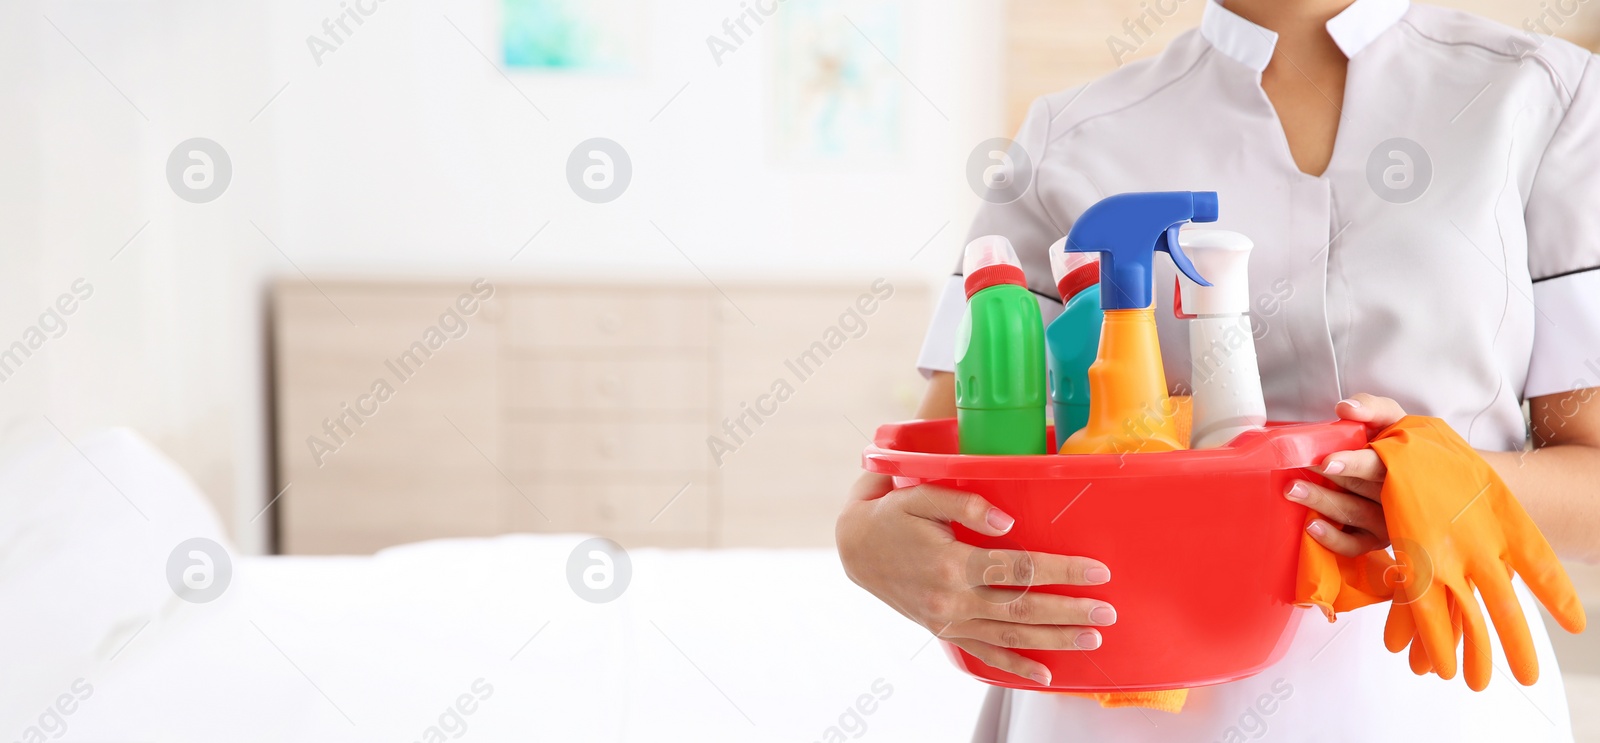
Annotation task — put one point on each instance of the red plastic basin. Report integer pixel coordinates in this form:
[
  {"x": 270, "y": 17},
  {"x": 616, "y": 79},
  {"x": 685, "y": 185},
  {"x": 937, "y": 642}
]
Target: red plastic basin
[{"x": 1202, "y": 545}]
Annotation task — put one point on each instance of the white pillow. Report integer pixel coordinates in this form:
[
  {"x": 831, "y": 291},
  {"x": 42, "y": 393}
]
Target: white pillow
[{"x": 86, "y": 531}]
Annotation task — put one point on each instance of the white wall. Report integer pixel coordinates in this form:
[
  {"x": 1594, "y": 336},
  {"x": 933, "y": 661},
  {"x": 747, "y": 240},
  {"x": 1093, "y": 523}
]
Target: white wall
[
  {"x": 404, "y": 153},
  {"x": 406, "y": 147}
]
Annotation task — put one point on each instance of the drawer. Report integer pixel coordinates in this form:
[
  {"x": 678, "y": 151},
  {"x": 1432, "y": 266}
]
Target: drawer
[
  {"x": 387, "y": 319},
  {"x": 661, "y": 385},
  {"x": 662, "y": 504},
  {"x": 759, "y": 510},
  {"x": 359, "y": 511},
  {"x": 788, "y": 320},
  {"x": 786, "y": 485},
  {"x": 631, "y": 446},
  {"x": 561, "y": 319},
  {"x": 870, "y": 388}
]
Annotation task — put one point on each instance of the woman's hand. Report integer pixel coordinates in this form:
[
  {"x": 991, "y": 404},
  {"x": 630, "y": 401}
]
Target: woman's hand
[
  {"x": 1352, "y": 515},
  {"x": 898, "y": 545}
]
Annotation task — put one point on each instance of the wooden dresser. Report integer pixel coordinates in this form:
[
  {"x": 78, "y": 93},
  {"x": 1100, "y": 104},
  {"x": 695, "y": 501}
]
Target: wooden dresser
[{"x": 654, "y": 414}]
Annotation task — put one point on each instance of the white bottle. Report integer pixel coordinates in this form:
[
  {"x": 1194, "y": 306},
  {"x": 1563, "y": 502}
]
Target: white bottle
[{"x": 1222, "y": 346}]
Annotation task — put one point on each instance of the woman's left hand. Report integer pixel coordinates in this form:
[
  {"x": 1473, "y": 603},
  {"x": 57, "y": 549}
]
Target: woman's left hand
[{"x": 1352, "y": 514}]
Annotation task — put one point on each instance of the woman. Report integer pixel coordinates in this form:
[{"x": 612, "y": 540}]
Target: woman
[{"x": 1423, "y": 188}]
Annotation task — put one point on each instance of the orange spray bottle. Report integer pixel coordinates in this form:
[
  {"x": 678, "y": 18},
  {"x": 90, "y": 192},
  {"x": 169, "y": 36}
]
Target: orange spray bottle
[{"x": 1128, "y": 407}]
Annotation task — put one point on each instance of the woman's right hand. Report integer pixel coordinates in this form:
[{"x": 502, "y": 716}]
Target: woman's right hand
[{"x": 898, "y": 545}]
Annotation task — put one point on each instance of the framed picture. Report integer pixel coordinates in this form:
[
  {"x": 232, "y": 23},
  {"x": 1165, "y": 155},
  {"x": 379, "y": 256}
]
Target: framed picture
[
  {"x": 837, "y": 97},
  {"x": 603, "y": 36}
]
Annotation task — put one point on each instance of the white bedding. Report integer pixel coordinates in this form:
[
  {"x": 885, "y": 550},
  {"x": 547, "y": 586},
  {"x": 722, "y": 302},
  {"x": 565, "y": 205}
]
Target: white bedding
[
  {"x": 436, "y": 641},
  {"x": 433, "y": 641},
  {"x": 705, "y": 646}
]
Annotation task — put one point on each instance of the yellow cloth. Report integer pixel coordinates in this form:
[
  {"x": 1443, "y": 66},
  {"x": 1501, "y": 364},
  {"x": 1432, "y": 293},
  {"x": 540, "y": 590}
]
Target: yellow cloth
[{"x": 1162, "y": 701}]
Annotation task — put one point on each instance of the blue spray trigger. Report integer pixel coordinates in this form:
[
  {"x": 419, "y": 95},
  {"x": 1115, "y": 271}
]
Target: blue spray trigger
[
  {"x": 1169, "y": 244},
  {"x": 1127, "y": 229}
]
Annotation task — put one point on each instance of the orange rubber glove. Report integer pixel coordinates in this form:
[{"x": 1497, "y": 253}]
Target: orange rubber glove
[
  {"x": 1335, "y": 583},
  {"x": 1459, "y": 531}
]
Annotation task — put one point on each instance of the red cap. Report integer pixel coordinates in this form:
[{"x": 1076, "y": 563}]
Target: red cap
[
  {"x": 1074, "y": 272},
  {"x": 1078, "y": 279},
  {"x": 991, "y": 261}
]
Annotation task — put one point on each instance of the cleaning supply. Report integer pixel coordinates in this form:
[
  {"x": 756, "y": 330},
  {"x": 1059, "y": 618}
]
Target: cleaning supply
[
  {"x": 1129, "y": 411},
  {"x": 1073, "y": 338},
  {"x": 1222, "y": 345},
  {"x": 1128, "y": 407},
  {"x": 1336, "y": 584},
  {"x": 1463, "y": 532},
  {"x": 1000, "y": 369},
  {"x": 1457, "y": 530},
  {"x": 1193, "y": 609}
]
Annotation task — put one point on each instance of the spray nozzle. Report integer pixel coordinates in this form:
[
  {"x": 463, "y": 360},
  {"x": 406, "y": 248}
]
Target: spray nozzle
[{"x": 1127, "y": 230}]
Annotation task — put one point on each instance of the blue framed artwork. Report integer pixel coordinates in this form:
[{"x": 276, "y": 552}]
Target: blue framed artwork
[{"x": 571, "y": 35}]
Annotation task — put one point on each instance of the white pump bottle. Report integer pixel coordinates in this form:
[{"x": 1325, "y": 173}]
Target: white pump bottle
[{"x": 1222, "y": 348}]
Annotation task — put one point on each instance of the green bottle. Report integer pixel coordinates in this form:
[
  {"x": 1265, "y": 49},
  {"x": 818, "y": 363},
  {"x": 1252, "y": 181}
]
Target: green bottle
[{"x": 1000, "y": 370}]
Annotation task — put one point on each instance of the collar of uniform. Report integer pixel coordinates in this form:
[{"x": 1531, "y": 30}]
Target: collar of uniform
[{"x": 1251, "y": 45}]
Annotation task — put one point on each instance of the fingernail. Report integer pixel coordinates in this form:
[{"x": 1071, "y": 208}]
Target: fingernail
[
  {"x": 1316, "y": 528},
  {"x": 999, "y": 520},
  {"x": 1096, "y": 576},
  {"x": 1352, "y": 403},
  {"x": 1087, "y": 641},
  {"x": 1298, "y": 492},
  {"x": 1103, "y": 615},
  {"x": 1041, "y": 677},
  {"x": 1333, "y": 468}
]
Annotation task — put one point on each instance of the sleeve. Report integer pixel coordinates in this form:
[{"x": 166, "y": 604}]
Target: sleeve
[
  {"x": 1563, "y": 218},
  {"x": 1016, "y": 210}
]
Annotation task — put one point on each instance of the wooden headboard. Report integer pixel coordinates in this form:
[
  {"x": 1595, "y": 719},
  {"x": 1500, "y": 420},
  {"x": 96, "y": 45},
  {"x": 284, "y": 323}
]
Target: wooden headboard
[{"x": 680, "y": 415}]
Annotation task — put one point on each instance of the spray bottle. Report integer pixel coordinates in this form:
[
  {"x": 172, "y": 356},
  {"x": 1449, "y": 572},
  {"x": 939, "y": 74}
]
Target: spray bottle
[
  {"x": 1000, "y": 373},
  {"x": 1128, "y": 407},
  {"x": 1073, "y": 338},
  {"x": 1222, "y": 346}
]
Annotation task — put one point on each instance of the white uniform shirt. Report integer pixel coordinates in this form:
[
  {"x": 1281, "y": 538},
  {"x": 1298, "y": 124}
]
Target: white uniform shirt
[{"x": 1447, "y": 259}]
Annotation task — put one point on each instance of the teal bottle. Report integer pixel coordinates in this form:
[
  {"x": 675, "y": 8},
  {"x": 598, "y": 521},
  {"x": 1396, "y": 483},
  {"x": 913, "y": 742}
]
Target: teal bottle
[
  {"x": 1073, "y": 340},
  {"x": 1000, "y": 367}
]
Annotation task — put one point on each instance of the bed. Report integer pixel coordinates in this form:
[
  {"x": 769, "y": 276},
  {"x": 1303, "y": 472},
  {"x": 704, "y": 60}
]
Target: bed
[
  {"x": 109, "y": 635},
  {"x": 427, "y": 641}
]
